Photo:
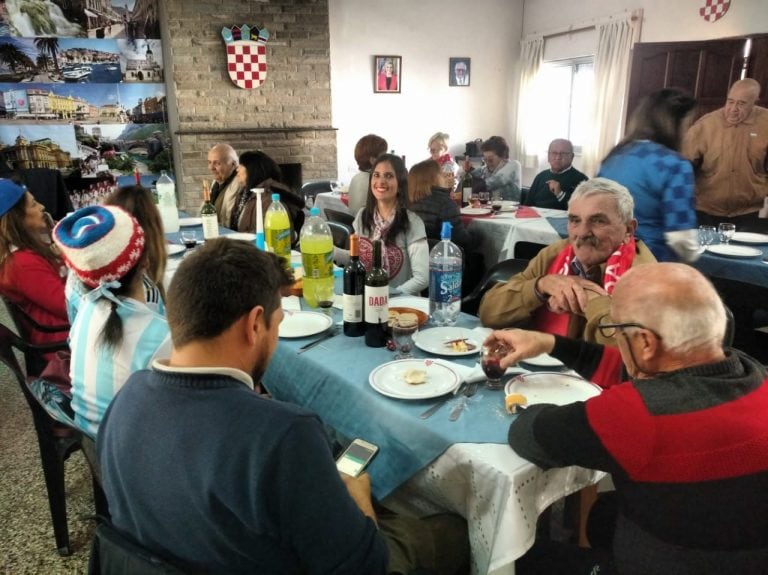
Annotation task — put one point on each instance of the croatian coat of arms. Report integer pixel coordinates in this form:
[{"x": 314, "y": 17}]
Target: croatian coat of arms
[{"x": 246, "y": 55}]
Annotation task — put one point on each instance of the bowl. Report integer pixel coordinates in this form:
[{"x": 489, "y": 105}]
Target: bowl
[{"x": 395, "y": 311}]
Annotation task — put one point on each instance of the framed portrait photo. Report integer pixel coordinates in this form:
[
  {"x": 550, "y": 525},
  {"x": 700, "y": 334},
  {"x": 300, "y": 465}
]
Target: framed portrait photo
[
  {"x": 387, "y": 74},
  {"x": 458, "y": 71}
]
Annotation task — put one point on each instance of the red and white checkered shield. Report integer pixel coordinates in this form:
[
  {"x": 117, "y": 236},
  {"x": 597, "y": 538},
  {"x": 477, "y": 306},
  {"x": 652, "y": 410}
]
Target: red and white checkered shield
[
  {"x": 247, "y": 63},
  {"x": 713, "y": 10}
]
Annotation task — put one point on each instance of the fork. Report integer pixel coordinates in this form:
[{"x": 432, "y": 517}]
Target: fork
[{"x": 468, "y": 392}]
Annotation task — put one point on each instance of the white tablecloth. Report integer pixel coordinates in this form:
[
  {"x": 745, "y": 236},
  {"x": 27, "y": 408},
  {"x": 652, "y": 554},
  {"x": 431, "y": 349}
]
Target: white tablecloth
[{"x": 330, "y": 200}]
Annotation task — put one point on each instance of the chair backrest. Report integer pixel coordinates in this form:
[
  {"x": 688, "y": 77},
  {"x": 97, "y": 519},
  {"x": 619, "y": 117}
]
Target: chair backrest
[
  {"x": 527, "y": 250},
  {"x": 340, "y": 233},
  {"x": 311, "y": 189},
  {"x": 113, "y": 553},
  {"x": 336, "y": 216},
  {"x": 498, "y": 273}
]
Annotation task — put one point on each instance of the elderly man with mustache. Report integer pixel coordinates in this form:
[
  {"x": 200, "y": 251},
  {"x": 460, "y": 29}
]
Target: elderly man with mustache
[{"x": 565, "y": 289}]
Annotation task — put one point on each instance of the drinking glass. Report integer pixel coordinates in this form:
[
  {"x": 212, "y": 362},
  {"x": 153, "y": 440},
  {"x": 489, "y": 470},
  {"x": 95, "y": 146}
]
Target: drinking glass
[
  {"x": 485, "y": 198},
  {"x": 726, "y": 232},
  {"x": 402, "y": 333},
  {"x": 707, "y": 235},
  {"x": 324, "y": 295},
  {"x": 491, "y": 355},
  {"x": 189, "y": 238}
]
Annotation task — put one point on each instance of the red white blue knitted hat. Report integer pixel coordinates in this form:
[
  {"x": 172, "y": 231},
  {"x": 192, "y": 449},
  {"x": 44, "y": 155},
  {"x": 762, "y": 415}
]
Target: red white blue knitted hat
[
  {"x": 99, "y": 243},
  {"x": 10, "y": 194}
]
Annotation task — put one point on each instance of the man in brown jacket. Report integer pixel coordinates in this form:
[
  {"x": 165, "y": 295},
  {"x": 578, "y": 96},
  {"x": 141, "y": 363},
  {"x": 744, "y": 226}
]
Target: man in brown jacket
[
  {"x": 729, "y": 151},
  {"x": 566, "y": 288}
]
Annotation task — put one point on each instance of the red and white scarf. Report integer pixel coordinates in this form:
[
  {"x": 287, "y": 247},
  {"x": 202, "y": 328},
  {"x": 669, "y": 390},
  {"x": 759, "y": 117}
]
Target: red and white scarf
[{"x": 616, "y": 266}]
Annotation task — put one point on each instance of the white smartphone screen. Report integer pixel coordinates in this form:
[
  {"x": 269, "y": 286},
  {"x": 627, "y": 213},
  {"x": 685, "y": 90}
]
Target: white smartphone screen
[{"x": 356, "y": 457}]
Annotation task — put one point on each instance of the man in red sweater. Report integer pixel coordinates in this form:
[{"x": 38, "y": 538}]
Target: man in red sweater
[{"x": 685, "y": 437}]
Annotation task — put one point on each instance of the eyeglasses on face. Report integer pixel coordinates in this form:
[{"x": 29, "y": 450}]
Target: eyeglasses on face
[{"x": 608, "y": 330}]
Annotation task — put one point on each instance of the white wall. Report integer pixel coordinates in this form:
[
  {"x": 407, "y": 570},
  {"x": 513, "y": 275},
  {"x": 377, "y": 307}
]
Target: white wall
[{"x": 425, "y": 34}]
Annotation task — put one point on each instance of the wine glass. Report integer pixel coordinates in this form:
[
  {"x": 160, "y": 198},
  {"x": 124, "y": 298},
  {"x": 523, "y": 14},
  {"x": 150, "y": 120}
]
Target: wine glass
[
  {"x": 189, "y": 238},
  {"x": 707, "y": 235},
  {"x": 324, "y": 295},
  {"x": 726, "y": 231},
  {"x": 402, "y": 333},
  {"x": 491, "y": 355}
]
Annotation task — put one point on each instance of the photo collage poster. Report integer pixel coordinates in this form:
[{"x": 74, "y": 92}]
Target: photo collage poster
[{"x": 82, "y": 90}]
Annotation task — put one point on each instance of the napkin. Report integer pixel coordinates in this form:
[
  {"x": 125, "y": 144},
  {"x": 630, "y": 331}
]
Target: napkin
[
  {"x": 291, "y": 303},
  {"x": 526, "y": 212}
]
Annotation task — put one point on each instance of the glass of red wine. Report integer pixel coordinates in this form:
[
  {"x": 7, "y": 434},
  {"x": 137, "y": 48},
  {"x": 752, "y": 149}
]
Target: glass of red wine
[
  {"x": 324, "y": 294},
  {"x": 189, "y": 238},
  {"x": 490, "y": 361},
  {"x": 402, "y": 333}
]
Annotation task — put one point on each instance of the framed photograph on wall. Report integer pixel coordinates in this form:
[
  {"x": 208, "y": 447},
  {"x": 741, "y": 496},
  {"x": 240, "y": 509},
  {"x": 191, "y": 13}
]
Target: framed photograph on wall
[
  {"x": 387, "y": 74},
  {"x": 458, "y": 71}
]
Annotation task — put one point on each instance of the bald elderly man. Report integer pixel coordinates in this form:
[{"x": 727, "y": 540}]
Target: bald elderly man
[
  {"x": 729, "y": 151},
  {"x": 552, "y": 188},
  {"x": 685, "y": 437},
  {"x": 222, "y": 163}
]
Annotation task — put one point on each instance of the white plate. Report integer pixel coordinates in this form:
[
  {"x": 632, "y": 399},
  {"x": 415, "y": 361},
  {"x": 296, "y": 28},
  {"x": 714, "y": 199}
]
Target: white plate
[
  {"x": 304, "y": 323},
  {"x": 508, "y": 208},
  {"x": 750, "y": 238},
  {"x": 419, "y": 303},
  {"x": 240, "y": 236},
  {"x": 546, "y": 387},
  {"x": 434, "y": 340},
  {"x": 189, "y": 222},
  {"x": 388, "y": 379},
  {"x": 543, "y": 360},
  {"x": 734, "y": 251},
  {"x": 475, "y": 211},
  {"x": 509, "y": 204},
  {"x": 173, "y": 249}
]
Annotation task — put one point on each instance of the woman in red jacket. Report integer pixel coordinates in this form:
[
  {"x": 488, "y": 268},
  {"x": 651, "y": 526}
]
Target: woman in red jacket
[{"x": 31, "y": 274}]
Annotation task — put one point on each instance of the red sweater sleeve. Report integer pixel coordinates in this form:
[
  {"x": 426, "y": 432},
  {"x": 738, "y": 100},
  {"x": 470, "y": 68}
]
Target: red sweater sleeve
[{"x": 34, "y": 283}]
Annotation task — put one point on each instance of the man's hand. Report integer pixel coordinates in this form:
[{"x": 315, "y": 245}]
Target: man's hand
[
  {"x": 568, "y": 294},
  {"x": 523, "y": 344},
  {"x": 554, "y": 187},
  {"x": 360, "y": 491}
]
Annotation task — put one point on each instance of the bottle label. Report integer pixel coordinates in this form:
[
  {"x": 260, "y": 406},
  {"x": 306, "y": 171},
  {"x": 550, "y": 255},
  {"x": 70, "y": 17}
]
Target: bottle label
[
  {"x": 353, "y": 308},
  {"x": 210, "y": 226},
  {"x": 467, "y": 194},
  {"x": 279, "y": 241},
  {"x": 445, "y": 287},
  {"x": 317, "y": 266},
  {"x": 377, "y": 304}
]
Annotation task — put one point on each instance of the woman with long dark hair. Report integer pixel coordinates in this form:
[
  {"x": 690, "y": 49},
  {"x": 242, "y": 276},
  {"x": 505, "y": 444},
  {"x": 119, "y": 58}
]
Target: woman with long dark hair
[{"x": 648, "y": 162}]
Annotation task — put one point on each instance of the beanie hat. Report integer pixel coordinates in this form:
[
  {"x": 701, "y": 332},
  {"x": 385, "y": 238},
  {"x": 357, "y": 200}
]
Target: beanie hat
[
  {"x": 99, "y": 243},
  {"x": 10, "y": 194}
]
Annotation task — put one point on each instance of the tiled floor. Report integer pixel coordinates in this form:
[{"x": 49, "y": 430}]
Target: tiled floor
[{"x": 26, "y": 535}]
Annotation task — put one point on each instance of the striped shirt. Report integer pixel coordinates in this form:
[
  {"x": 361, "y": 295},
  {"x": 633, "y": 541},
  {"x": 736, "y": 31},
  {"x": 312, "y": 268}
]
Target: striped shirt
[
  {"x": 74, "y": 290},
  {"x": 98, "y": 372}
]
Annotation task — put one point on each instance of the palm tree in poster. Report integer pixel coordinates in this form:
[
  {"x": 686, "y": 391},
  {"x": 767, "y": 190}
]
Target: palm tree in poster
[
  {"x": 43, "y": 60},
  {"x": 49, "y": 46},
  {"x": 11, "y": 55}
]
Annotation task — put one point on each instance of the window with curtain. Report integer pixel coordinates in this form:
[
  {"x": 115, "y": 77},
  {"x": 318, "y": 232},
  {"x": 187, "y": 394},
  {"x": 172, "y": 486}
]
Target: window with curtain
[{"x": 562, "y": 92}]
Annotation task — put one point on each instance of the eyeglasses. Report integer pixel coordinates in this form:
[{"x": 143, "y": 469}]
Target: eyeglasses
[
  {"x": 608, "y": 330},
  {"x": 561, "y": 154}
]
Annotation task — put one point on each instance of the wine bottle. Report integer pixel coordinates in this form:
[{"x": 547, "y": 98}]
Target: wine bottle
[
  {"x": 208, "y": 215},
  {"x": 376, "y": 301},
  {"x": 354, "y": 290},
  {"x": 466, "y": 189}
]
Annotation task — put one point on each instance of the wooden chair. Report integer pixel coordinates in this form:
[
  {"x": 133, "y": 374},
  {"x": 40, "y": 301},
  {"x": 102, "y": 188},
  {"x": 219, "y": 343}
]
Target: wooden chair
[
  {"x": 498, "y": 273},
  {"x": 55, "y": 446}
]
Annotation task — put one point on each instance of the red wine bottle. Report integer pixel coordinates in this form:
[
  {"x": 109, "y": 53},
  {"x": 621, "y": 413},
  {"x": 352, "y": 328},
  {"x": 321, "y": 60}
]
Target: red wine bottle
[
  {"x": 376, "y": 301},
  {"x": 354, "y": 291}
]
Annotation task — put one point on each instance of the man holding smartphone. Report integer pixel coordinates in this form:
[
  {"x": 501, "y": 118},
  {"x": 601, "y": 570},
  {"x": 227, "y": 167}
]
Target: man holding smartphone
[{"x": 203, "y": 471}]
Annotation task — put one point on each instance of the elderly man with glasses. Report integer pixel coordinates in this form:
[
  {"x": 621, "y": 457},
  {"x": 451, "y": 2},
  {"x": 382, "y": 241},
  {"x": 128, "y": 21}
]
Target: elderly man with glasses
[
  {"x": 552, "y": 188},
  {"x": 685, "y": 438},
  {"x": 565, "y": 289}
]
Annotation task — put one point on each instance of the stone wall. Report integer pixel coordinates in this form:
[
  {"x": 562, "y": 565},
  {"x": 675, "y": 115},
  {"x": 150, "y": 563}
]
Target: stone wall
[{"x": 288, "y": 116}]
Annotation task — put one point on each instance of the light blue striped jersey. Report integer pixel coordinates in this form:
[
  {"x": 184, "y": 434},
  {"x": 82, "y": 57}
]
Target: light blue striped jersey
[
  {"x": 74, "y": 290},
  {"x": 98, "y": 372}
]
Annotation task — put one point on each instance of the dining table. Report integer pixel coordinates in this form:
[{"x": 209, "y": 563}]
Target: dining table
[
  {"x": 334, "y": 200},
  {"x": 424, "y": 466}
]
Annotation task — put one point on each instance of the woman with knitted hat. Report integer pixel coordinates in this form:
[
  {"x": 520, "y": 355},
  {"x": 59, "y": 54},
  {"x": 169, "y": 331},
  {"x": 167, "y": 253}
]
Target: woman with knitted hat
[
  {"x": 31, "y": 274},
  {"x": 115, "y": 332}
]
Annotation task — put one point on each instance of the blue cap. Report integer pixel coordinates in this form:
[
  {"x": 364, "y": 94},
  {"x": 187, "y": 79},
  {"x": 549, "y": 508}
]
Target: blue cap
[
  {"x": 275, "y": 197},
  {"x": 314, "y": 212},
  {"x": 10, "y": 194},
  {"x": 445, "y": 233}
]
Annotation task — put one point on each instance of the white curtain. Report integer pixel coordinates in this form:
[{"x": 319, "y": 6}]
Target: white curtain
[
  {"x": 531, "y": 57},
  {"x": 611, "y": 72}
]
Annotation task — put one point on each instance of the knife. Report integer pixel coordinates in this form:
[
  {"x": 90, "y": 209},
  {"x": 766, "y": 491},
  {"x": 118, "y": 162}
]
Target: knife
[
  {"x": 429, "y": 412},
  {"x": 319, "y": 340}
]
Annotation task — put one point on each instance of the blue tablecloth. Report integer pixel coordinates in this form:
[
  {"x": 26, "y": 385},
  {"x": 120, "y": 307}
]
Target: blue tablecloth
[
  {"x": 749, "y": 270},
  {"x": 331, "y": 379}
]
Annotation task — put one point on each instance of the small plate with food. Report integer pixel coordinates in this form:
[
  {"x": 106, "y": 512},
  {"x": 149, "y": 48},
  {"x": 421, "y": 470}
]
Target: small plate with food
[
  {"x": 548, "y": 387},
  {"x": 414, "y": 378},
  {"x": 407, "y": 314},
  {"x": 448, "y": 341}
]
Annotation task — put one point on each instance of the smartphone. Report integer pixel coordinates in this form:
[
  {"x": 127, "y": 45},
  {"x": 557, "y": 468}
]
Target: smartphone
[{"x": 356, "y": 457}]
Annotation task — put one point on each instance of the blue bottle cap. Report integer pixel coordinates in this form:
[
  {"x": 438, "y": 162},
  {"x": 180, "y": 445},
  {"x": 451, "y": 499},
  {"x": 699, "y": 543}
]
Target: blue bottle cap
[
  {"x": 445, "y": 233},
  {"x": 314, "y": 212},
  {"x": 275, "y": 197}
]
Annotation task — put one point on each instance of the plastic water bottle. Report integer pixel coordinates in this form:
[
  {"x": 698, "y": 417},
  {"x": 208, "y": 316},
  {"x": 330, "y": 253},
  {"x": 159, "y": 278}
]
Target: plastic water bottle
[
  {"x": 316, "y": 255},
  {"x": 445, "y": 264},
  {"x": 277, "y": 226},
  {"x": 166, "y": 203}
]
